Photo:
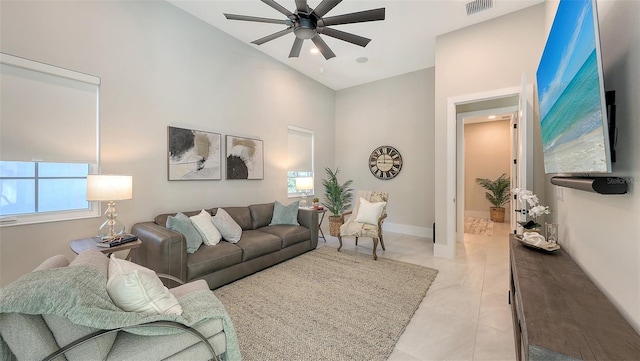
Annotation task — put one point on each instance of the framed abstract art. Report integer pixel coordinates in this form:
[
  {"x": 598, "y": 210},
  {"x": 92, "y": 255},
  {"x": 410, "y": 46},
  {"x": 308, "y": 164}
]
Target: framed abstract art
[
  {"x": 194, "y": 154},
  {"x": 245, "y": 158}
]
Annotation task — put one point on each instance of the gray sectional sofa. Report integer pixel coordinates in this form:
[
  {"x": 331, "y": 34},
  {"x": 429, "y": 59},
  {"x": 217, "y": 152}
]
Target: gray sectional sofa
[{"x": 260, "y": 246}]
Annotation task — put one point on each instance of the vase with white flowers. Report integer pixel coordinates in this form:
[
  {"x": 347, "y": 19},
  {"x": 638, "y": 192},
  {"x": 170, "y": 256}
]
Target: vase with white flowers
[{"x": 532, "y": 207}]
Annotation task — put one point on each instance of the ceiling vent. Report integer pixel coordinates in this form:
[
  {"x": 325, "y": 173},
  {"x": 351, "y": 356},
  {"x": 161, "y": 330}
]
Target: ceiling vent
[{"x": 477, "y": 6}]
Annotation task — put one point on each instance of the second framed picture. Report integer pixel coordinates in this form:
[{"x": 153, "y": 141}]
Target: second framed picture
[{"x": 245, "y": 159}]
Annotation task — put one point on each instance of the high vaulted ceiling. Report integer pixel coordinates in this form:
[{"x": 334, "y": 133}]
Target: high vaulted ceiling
[{"x": 403, "y": 42}]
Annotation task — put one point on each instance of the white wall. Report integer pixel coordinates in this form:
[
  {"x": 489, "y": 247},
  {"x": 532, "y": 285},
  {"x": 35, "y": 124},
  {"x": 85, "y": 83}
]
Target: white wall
[
  {"x": 600, "y": 231},
  {"x": 485, "y": 57},
  {"x": 398, "y": 112},
  {"x": 160, "y": 66}
]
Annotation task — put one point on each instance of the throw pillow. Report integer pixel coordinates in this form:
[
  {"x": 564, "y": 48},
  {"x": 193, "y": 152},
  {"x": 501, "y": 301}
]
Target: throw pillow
[
  {"x": 369, "y": 212},
  {"x": 210, "y": 234},
  {"x": 229, "y": 229},
  {"x": 134, "y": 288},
  {"x": 181, "y": 223},
  {"x": 285, "y": 214}
]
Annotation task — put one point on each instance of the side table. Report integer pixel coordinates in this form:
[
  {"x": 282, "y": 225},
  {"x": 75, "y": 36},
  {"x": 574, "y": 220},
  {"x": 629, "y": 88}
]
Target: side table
[
  {"x": 322, "y": 212},
  {"x": 85, "y": 244}
]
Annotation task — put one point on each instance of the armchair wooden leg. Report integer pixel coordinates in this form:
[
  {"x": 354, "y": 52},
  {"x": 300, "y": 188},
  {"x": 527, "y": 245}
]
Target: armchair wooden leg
[
  {"x": 382, "y": 242},
  {"x": 375, "y": 246},
  {"x": 340, "y": 240},
  {"x": 356, "y": 241}
]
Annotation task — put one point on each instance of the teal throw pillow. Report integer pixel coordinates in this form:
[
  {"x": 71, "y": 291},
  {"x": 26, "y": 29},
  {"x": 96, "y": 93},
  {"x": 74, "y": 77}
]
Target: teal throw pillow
[
  {"x": 181, "y": 223},
  {"x": 285, "y": 214}
]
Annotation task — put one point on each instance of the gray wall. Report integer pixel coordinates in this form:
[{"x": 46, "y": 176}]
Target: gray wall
[
  {"x": 160, "y": 66},
  {"x": 398, "y": 112},
  {"x": 600, "y": 231}
]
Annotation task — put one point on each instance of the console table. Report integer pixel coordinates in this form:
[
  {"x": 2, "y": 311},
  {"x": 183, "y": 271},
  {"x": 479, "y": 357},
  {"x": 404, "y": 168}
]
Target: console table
[{"x": 559, "y": 314}]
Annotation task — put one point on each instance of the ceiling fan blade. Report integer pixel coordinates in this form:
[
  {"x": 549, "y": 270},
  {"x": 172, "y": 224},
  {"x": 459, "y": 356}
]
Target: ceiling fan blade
[
  {"x": 325, "y": 6},
  {"x": 278, "y": 7},
  {"x": 359, "y": 17},
  {"x": 323, "y": 47},
  {"x": 301, "y": 6},
  {"x": 348, "y": 37},
  {"x": 273, "y": 36},
  {"x": 257, "y": 19},
  {"x": 295, "y": 49}
]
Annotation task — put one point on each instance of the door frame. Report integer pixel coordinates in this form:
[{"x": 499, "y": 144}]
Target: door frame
[{"x": 448, "y": 250}]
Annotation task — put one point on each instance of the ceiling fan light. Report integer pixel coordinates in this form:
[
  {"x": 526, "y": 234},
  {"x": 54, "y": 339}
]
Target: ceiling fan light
[{"x": 305, "y": 28}]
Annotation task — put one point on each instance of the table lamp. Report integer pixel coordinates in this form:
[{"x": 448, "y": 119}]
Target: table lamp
[
  {"x": 111, "y": 188},
  {"x": 304, "y": 184}
]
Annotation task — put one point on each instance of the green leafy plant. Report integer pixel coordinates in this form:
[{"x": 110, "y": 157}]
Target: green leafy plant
[
  {"x": 498, "y": 190},
  {"x": 337, "y": 196}
]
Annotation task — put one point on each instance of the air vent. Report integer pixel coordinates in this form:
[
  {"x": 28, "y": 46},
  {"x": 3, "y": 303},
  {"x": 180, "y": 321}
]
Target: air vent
[{"x": 477, "y": 6}]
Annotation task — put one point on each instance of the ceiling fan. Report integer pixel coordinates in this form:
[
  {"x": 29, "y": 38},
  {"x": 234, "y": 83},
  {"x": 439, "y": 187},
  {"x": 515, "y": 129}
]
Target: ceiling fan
[{"x": 308, "y": 23}]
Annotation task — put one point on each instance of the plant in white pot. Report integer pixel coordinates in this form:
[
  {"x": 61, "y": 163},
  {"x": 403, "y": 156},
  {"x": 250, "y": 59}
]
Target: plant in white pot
[
  {"x": 337, "y": 199},
  {"x": 498, "y": 194}
]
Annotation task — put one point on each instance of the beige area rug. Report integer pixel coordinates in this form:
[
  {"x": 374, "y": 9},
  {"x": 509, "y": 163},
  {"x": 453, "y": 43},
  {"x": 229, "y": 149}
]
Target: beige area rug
[
  {"x": 481, "y": 226},
  {"x": 325, "y": 305}
]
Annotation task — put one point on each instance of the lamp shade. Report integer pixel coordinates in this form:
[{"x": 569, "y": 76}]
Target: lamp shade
[
  {"x": 304, "y": 183},
  {"x": 108, "y": 187}
]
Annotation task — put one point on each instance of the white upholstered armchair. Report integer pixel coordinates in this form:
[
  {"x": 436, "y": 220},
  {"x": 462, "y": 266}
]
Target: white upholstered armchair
[{"x": 366, "y": 218}]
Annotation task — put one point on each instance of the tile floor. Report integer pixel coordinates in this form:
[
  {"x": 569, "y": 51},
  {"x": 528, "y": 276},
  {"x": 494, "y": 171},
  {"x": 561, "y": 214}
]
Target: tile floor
[{"x": 465, "y": 314}]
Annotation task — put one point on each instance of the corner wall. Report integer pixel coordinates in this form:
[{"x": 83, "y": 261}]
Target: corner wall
[{"x": 161, "y": 66}]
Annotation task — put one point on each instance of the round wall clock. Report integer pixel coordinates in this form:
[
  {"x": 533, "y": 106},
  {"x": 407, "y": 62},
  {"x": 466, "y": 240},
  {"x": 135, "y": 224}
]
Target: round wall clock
[{"x": 385, "y": 162}]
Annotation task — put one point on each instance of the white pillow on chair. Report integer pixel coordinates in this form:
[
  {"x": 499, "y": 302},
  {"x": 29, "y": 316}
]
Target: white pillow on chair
[{"x": 369, "y": 212}]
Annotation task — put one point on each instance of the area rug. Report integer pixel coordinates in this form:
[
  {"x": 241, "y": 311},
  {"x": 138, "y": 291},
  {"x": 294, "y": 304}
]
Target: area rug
[
  {"x": 481, "y": 226},
  {"x": 325, "y": 305}
]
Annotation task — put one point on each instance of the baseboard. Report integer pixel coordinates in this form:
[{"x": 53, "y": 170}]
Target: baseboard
[
  {"x": 410, "y": 230},
  {"x": 443, "y": 251}
]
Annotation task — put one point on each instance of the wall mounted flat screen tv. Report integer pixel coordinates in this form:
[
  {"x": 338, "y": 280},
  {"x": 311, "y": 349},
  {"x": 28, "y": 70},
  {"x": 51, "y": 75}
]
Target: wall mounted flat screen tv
[{"x": 571, "y": 95}]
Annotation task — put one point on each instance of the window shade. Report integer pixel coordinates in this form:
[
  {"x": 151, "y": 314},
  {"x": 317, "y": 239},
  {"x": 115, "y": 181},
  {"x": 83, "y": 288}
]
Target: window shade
[
  {"x": 300, "y": 150},
  {"x": 47, "y": 113}
]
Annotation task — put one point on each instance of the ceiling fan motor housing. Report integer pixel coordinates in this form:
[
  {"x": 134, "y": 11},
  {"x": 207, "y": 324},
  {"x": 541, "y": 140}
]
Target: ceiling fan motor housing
[{"x": 305, "y": 26}]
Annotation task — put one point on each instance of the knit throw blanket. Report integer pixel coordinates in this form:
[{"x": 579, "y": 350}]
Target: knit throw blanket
[{"x": 79, "y": 294}]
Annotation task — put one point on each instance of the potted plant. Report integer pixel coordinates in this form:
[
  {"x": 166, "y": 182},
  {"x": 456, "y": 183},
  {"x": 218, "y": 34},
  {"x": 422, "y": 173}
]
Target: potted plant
[
  {"x": 498, "y": 195},
  {"x": 337, "y": 199}
]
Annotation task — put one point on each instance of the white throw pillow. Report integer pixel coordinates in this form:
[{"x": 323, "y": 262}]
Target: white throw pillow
[
  {"x": 369, "y": 212},
  {"x": 210, "y": 234},
  {"x": 229, "y": 229},
  {"x": 134, "y": 288}
]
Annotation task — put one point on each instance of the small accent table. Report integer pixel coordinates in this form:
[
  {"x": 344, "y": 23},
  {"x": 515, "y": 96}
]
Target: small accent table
[
  {"x": 322, "y": 212},
  {"x": 85, "y": 244}
]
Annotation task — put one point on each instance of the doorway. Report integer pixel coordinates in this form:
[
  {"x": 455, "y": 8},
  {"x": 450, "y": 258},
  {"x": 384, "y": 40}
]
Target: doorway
[{"x": 485, "y": 146}]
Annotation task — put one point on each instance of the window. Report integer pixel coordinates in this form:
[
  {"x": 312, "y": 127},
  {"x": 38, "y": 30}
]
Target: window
[
  {"x": 300, "y": 169},
  {"x": 48, "y": 141},
  {"x": 33, "y": 187}
]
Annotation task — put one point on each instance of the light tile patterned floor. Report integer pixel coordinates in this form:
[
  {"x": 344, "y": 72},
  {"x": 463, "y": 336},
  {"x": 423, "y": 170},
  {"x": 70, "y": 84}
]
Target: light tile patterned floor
[{"x": 465, "y": 314}]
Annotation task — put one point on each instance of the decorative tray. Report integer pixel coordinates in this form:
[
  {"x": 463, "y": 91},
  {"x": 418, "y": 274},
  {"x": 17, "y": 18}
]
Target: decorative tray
[{"x": 543, "y": 246}]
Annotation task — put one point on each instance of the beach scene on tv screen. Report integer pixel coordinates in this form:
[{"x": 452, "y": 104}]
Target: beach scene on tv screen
[{"x": 573, "y": 130}]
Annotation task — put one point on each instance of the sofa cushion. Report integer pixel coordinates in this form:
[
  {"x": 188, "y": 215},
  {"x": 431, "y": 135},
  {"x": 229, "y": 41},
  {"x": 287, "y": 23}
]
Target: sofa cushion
[
  {"x": 64, "y": 331},
  {"x": 285, "y": 214},
  {"x": 212, "y": 258},
  {"x": 289, "y": 235},
  {"x": 229, "y": 229},
  {"x": 134, "y": 288},
  {"x": 28, "y": 336},
  {"x": 203, "y": 223},
  {"x": 261, "y": 214},
  {"x": 181, "y": 223},
  {"x": 53, "y": 262},
  {"x": 241, "y": 215},
  {"x": 133, "y": 347},
  {"x": 255, "y": 244}
]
